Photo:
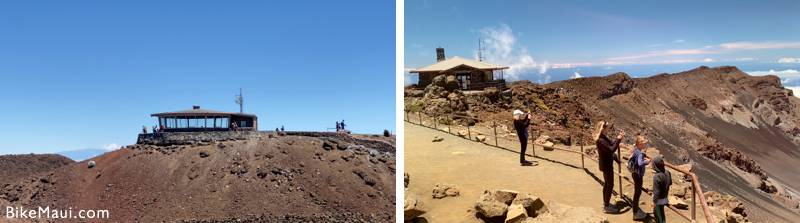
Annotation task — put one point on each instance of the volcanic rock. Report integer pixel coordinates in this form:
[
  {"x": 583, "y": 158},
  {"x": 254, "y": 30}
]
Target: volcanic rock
[
  {"x": 445, "y": 190},
  {"x": 488, "y": 205}
]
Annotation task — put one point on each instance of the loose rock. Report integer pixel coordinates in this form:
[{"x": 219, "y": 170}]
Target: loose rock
[{"x": 445, "y": 190}]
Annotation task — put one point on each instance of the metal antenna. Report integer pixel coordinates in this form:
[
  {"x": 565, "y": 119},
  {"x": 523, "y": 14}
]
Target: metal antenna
[
  {"x": 240, "y": 101},
  {"x": 481, "y": 48}
]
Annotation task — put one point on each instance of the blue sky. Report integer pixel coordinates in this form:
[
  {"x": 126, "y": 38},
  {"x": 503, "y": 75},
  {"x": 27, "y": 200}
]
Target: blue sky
[
  {"x": 87, "y": 74},
  {"x": 546, "y": 41}
]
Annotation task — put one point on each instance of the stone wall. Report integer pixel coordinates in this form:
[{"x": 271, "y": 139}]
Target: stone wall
[{"x": 184, "y": 138}]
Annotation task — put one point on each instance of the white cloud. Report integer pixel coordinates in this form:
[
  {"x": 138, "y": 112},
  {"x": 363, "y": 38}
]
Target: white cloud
[
  {"x": 569, "y": 65},
  {"x": 746, "y": 59},
  {"x": 111, "y": 146},
  {"x": 502, "y": 48},
  {"x": 780, "y": 73},
  {"x": 673, "y": 55},
  {"x": 679, "y": 41},
  {"x": 664, "y": 53},
  {"x": 787, "y": 76},
  {"x": 789, "y": 60},
  {"x": 708, "y": 60},
  {"x": 746, "y": 45},
  {"x": 543, "y": 67},
  {"x": 576, "y": 75}
]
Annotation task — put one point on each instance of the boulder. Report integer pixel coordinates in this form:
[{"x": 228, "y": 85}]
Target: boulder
[
  {"x": 412, "y": 206},
  {"x": 767, "y": 187},
  {"x": 533, "y": 205},
  {"x": 450, "y": 83},
  {"x": 444, "y": 190},
  {"x": 438, "y": 80},
  {"x": 328, "y": 145},
  {"x": 516, "y": 214},
  {"x": 480, "y": 138},
  {"x": 462, "y": 133},
  {"x": 492, "y": 93},
  {"x": 731, "y": 217},
  {"x": 677, "y": 202},
  {"x": 545, "y": 141},
  {"x": 680, "y": 190},
  {"x": 435, "y": 92},
  {"x": 489, "y": 207},
  {"x": 92, "y": 164},
  {"x": 437, "y": 139},
  {"x": 505, "y": 196},
  {"x": 414, "y": 93}
]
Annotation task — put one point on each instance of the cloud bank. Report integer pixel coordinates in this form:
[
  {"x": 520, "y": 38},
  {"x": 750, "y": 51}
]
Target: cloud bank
[{"x": 502, "y": 49}]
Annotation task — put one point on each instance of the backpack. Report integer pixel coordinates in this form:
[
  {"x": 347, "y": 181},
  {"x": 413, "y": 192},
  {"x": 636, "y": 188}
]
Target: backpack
[{"x": 632, "y": 164}]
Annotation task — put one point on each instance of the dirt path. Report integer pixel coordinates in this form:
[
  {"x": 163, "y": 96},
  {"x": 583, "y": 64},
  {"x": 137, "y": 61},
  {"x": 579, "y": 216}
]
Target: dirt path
[{"x": 474, "y": 167}]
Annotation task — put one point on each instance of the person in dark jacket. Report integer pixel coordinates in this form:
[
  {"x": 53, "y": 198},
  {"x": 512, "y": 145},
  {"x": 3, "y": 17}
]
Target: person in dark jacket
[
  {"x": 639, "y": 161},
  {"x": 662, "y": 179},
  {"x": 606, "y": 147},
  {"x": 521, "y": 123}
]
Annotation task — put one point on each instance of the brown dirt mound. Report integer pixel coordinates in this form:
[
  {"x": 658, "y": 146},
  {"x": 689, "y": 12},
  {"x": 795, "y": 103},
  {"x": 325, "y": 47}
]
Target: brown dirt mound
[
  {"x": 16, "y": 167},
  {"x": 286, "y": 178}
]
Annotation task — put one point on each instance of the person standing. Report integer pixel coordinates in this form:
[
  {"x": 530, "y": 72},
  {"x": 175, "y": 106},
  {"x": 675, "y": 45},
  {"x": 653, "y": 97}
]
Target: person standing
[
  {"x": 637, "y": 164},
  {"x": 521, "y": 123},
  {"x": 606, "y": 147},
  {"x": 662, "y": 179}
]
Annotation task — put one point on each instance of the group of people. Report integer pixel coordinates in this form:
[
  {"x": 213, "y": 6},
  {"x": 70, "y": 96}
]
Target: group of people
[
  {"x": 607, "y": 148},
  {"x": 340, "y": 126}
]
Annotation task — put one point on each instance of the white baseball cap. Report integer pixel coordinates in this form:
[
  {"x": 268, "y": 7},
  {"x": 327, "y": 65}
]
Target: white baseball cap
[{"x": 518, "y": 112}]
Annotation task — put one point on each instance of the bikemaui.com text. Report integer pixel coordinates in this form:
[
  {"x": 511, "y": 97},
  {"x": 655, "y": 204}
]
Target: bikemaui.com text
[{"x": 48, "y": 213}]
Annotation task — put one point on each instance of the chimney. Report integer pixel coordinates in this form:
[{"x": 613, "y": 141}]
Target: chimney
[
  {"x": 440, "y": 54},
  {"x": 195, "y": 107}
]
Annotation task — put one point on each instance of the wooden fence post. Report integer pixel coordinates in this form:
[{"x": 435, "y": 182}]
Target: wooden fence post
[
  {"x": 469, "y": 134},
  {"x": 448, "y": 125},
  {"x": 419, "y": 115},
  {"x": 619, "y": 170},
  {"x": 694, "y": 205},
  {"x": 533, "y": 146},
  {"x": 434, "y": 122},
  {"x": 495, "y": 133}
]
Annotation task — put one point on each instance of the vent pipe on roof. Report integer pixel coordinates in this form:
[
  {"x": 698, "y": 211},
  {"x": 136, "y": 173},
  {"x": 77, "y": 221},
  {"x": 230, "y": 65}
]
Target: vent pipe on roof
[
  {"x": 195, "y": 107},
  {"x": 439, "y": 54}
]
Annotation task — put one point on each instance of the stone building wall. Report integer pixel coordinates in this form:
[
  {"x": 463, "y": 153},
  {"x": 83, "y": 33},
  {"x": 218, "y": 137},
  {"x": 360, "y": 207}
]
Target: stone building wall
[{"x": 184, "y": 138}]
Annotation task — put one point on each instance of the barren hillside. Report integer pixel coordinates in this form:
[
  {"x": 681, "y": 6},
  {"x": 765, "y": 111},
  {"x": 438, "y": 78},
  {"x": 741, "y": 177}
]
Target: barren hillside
[
  {"x": 16, "y": 167},
  {"x": 274, "y": 179}
]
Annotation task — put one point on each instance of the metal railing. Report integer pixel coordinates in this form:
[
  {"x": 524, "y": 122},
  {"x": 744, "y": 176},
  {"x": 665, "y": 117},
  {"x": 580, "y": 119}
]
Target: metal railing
[{"x": 696, "y": 189}]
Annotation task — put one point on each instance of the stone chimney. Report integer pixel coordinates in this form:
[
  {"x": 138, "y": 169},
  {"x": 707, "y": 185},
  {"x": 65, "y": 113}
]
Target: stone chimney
[
  {"x": 195, "y": 107},
  {"x": 440, "y": 54}
]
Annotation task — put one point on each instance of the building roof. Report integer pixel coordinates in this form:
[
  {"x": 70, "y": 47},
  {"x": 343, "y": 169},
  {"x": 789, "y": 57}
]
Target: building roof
[
  {"x": 197, "y": 111},
  {"x": 454, "y": 62}
]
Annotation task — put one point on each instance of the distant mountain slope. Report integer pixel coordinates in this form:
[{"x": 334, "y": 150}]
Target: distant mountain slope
[
  {"x": 16, "y": 167},
  {"x": 83, "y": 154}
]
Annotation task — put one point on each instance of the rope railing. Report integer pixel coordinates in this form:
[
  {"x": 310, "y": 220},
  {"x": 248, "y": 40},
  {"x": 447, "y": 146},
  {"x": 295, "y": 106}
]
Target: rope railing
[{"x": 696, "y": 189}]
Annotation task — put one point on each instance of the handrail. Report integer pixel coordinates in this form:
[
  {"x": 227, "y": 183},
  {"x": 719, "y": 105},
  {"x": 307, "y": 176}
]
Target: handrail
[{"x": 696, "y": 189}]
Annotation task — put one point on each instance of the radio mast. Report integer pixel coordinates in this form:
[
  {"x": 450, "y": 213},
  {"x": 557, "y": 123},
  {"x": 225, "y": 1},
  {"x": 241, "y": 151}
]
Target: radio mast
[{"x": 240, "y": 101}]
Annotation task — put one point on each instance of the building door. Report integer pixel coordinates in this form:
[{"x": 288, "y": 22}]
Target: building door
[{"x": 463, "y": 80}]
